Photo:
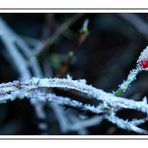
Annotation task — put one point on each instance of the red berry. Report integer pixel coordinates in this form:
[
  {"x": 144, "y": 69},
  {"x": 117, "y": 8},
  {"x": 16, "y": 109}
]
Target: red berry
[{"x": 144, "y": 64}]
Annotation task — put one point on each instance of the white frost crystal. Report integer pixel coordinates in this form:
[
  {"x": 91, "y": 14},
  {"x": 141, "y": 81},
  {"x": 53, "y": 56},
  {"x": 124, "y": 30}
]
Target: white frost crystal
[
  {"x": 144, "y": 55},
  {"x": 143, "y": 59}
]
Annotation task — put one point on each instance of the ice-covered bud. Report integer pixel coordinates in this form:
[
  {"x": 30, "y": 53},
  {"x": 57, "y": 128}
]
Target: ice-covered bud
[
  {"x": 143, "y": 59},
  {"x": 69, "y": 77}
]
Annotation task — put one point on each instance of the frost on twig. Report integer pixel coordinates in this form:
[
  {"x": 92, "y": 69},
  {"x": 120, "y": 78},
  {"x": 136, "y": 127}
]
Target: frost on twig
[
  {"x": 142, "y": 65},
  {"x": 124, "y": 124},
  {"x": 131, "y": 77},
  {"x": 109, "y": 106}
]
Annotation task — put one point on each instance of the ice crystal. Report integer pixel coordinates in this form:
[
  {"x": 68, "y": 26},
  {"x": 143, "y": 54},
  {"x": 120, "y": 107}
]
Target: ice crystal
[{"x": 69, "y": 77}]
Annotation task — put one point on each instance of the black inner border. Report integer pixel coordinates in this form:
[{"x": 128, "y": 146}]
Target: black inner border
[{"x": 71, "y": 138}]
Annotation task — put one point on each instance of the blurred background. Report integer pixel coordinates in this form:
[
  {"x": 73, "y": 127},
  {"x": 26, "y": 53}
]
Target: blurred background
[{"x": 104, "y": 58}]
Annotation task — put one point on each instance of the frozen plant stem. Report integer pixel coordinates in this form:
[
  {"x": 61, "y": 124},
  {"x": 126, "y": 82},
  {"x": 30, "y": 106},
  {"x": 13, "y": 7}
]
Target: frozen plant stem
[
  {"x": 131, "y": 77},
  {"x": 109, "y": 101}
]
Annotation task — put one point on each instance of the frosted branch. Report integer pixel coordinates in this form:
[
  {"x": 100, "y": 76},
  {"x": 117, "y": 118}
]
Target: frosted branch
[
  {"x": 110, "y": 103},
  {"x": 124, "y": 124}
]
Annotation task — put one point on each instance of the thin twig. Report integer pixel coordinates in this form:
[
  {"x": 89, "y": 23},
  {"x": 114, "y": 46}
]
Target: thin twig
[{"x": 79, "y": 40}]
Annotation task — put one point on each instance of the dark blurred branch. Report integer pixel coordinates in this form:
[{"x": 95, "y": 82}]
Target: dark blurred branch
[
  {"x": 45, "y": 46},
  {"x": 135, "y": 21},
  {"x": 79, "y": 40}
]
